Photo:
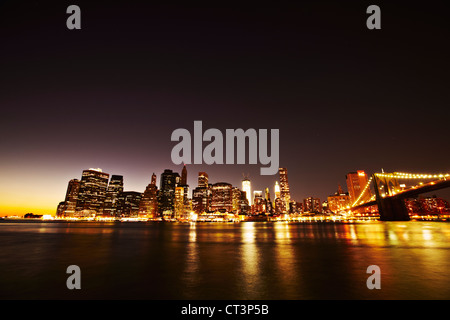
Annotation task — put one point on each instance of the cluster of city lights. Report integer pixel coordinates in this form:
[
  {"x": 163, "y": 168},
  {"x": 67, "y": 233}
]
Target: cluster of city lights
[{"x": 402, "y": 175}]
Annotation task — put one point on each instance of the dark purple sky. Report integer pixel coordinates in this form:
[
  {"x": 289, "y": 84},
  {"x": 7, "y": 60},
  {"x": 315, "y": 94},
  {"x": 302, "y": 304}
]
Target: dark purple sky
[{"x": 109, "y": 95}]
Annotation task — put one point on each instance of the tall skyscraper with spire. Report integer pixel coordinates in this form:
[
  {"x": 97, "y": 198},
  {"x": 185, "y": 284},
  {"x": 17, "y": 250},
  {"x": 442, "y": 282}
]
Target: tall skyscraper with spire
[
  {"x": 183, "y": 180},
  {"x": 183, "y": 184}
]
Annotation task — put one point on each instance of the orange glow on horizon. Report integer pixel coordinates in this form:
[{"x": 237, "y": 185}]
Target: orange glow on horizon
[{"x": 6, "y": 210}]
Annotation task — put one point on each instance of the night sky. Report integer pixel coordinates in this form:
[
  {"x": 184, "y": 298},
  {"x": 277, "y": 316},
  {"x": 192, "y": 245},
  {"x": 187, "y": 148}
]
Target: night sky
[{"x": 108, "y": 96}]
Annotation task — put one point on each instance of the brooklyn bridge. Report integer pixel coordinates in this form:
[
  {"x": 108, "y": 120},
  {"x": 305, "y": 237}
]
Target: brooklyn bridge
[{"x": 390, "y": 191}]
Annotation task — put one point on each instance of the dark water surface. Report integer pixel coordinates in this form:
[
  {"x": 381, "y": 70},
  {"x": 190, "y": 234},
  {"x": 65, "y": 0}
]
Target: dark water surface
[{"x": 250, "y": 260}]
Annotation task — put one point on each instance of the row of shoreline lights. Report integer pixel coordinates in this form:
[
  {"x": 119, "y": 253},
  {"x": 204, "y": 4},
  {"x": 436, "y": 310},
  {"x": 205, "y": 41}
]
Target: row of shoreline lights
[{"x": 401, "y": 175}]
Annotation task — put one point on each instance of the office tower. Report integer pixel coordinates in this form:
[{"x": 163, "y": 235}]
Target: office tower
[
  {"x": 60, "y": 209},
  {"x": 277, "y": 190},
  {"x": 92, "y": 193},
  {"x": 259, "y": 203},
  {"x": 269, "y": 207},
  {"x": 166, "y": 195},
  {"x": 149, "y": 202},
  {"x": 356, "y": 181},
  {"x": 201, "y": 200},
  {"x": 299, "y": 207},
  {"x": 183, "y": 180},
  {"x": 267, "y": 194},
  {"x": 179, "y": 203},
  {"x": 115, "y": 187},
  {"x": 312, "y": 205},
  {"x": 202, "y": 180},
  {"x": 244, "y": 207},
  {"x": 201, "y": 196},
  {"x": 246, "y": 186},
  {"x": 222, "y": 197},
  {"x": 293, "y": 207},
  {"x": 236, "y": 196},
  {"x": 68, "y": 206},
  {"x": 128, "y": 204},
  {"x": 185, "y": 186},
  {"x": 279, "y": 206},
  {"x": 285, "y": 194},
  {"x": 339, "y": 201}
]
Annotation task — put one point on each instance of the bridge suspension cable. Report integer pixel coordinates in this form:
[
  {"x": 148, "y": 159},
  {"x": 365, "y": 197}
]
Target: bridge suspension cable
[
  {"x": 363, "y": 192},
  {"x": 403, "y": 175}
]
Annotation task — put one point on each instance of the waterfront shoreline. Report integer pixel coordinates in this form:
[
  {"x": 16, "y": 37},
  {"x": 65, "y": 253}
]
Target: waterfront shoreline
[{"x": 318, "y": 221}]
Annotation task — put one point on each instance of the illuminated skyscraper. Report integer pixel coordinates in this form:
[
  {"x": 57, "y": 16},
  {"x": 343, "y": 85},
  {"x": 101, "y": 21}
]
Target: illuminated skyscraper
[
  {"x": 278, "y": 204},
  {"x": 236, "y": 193},
  {"x": 312, "y": 205},
  {"x": 201, "y": 196},
  {"x": 202, "y": 180},
  {"x": 269, "y": 207},
  {"x": 115, "y": 187},
  {"x": 285, "y": 194},
  {"x": 60, "y": 209},
  {"x": 128, "y": 204},
  {"x": 183, "y": 180},
  {"x": 339, "y": 201},
  {"x": 92, "y": 192},
  {"x": 201, "y": 200},
  {"x": 222, "y": 197},
  {"x": 179, "y": 203},
  {"x": 149, "y": 202},
  {"x": 69, "y": 205},
  {"x": 356, "y": 181},
  {"x": 244, "y": 207},
  {"x": 277, "y": 190},
  {"x": 259, "y": 203},
  {"x": 246, "y": 186},
  {"x": 185, "y": 186},
  {"x": 166, "y": 195}
]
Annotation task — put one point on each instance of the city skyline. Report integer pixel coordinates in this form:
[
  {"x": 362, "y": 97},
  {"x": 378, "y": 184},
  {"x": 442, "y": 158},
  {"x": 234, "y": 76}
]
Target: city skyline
[
  {"x": 343, "y": 97},
  {"x": 96, "y": 195}
]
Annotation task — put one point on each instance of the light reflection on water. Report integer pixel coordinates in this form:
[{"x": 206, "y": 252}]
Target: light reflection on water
[{"x": 225, "y": 261}]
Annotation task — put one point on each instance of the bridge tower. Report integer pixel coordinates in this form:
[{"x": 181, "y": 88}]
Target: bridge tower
[{"x": 390, "y": 207}]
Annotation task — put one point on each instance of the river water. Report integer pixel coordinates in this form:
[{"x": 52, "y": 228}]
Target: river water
[{"x": 249, "y": 260}]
